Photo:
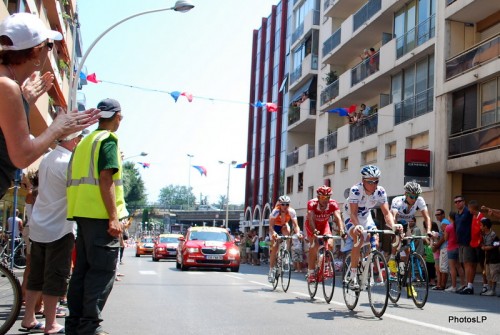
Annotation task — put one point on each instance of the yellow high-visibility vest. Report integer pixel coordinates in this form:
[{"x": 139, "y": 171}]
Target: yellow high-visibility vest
[{"x": 83, "y": 193}]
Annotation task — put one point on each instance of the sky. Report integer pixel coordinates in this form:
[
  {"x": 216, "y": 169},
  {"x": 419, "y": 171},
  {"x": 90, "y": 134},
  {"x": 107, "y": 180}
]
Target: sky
[{"x": 206, "y": 52}]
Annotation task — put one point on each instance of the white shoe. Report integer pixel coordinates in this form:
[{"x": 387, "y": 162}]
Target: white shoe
[
  {"x": 353, "y": 285},
  {"x": 270, "y": 276},
  {"x": 451, "y": 289},
  {"x": 489, "y": 293}
]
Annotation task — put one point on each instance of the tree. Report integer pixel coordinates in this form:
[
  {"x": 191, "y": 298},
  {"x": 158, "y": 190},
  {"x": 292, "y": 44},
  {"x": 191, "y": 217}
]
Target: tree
[
  {"x": 133, "y": 186},
  {"x": 222, "y": 202},
  {"x": 176, "y": 195}
]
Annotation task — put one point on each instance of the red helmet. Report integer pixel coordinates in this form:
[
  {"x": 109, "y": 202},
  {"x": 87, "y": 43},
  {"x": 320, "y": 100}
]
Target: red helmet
[{"x": 324, "y": 190}]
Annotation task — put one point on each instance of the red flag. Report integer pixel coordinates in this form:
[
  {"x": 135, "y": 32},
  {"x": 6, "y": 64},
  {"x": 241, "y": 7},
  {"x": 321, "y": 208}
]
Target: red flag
[
  {"x": 189, "y": 96},
  {"x": 92, "y": 78},
  {"x": 352, "y": 109},
  {"x": 271, "y": 107}
]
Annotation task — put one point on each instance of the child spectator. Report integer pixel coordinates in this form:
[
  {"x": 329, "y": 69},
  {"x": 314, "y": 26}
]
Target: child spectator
[{"x": 490, "y": 246}]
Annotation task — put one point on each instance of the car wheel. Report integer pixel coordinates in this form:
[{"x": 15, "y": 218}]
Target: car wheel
[
  {"x": 235, "y": 269},
  {"x": 155, "y": 259},
  {"x": 177, "y": 265},
  {"x": 137, "y": 255},
  {"x": 183, "y": 267}
]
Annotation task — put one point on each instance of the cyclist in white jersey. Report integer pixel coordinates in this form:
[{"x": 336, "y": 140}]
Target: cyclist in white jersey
[
  {"x": 403, "y": 208},
  {"x": 357, "y": 216}
]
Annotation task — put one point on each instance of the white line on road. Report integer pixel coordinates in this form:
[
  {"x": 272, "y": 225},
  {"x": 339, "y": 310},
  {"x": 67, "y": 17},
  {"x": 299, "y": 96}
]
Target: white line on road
[
  {"x": 232, "y": 276},
  {"x": 147, "y": 272}
]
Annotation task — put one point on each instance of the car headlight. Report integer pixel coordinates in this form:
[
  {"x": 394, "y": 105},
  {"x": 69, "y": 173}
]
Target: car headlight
[
  {"x": 234, "y": 252},
  {"x": 160, "y": 249},
  {"x": 192, "y": 250}
]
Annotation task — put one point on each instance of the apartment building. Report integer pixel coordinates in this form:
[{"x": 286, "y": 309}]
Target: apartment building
[
  {"x": 427, "y": 73},
  {"x": 59, "y": 15}
]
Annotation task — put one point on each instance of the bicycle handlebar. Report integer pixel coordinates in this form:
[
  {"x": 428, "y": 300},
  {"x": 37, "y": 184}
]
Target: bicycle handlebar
[{"x": 375, "y": 231}]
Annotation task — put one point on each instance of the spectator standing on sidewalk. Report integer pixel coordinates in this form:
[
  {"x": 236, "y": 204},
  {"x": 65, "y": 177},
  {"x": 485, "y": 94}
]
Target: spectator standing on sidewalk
[
  {"x": 454, "y": 265},
  {"x": 52, "y": 237},
  {"x": 442, "y": 246},
  {"x": 466, "y": 254},
  {"x": 476, "y": 238},
  {"x": 96, "y": 202},
  {"x": 490, "y": 246}
]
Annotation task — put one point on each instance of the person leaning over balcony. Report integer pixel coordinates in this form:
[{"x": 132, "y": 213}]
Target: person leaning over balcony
[
  {"x": 96, "y": 202},
  {"x": 25, "y": 44}
]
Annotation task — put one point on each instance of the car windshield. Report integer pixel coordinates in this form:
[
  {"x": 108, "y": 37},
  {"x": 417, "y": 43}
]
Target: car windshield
[
  {"x": 209, "y": 236},
  {"x": 147, "y": 240},
  {"x": 168, "y": 240}
]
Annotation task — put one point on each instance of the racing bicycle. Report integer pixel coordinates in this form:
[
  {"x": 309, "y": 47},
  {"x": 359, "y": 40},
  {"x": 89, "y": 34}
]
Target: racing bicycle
[
  {"x": 371, "y": 276},
  {"x": 324, "y": 272},
  {"x": 283, "y": 267},
  {"x": 19, "y": 251},
  {"x": 411, "y": 274}
]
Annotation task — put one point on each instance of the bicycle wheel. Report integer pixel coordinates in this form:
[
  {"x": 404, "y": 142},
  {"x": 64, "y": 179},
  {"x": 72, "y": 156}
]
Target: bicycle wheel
[
  {"x": 395, "y": 286},
  {"x": 10, "y": 299},
  {"x": 276, "y": 275},
  {"x": 351, "y": 297},
  {"x": 20, "y": 258},
  {"x": 312, "y": 285},
  {"x": 418, "y": 280},
  {"x": 286, "y": 270},
  {"x": 378, "y": 284},
  {"x": 328, "y": 274}
]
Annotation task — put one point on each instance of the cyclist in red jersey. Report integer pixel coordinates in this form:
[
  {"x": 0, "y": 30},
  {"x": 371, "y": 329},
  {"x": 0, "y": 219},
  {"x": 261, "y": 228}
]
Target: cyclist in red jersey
[
  {"x": 319, "y": 211},
  {"x": 278, "y": 224}
]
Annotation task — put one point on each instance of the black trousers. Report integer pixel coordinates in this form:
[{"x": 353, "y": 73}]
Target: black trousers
[{"x": 93, "y": 276}]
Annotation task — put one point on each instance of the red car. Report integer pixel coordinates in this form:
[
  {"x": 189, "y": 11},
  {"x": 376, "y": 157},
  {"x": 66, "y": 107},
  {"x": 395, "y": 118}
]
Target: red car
[
  {"x": 166, "y": 246},
  {"x": 208, "y": 247}
]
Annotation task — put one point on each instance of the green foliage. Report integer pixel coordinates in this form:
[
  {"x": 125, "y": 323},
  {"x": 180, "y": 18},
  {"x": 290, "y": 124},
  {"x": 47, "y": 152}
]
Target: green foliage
[
  {"x": 133, "y": 185},
  {"x": 331, "y": 77},
  {"x": 176, "y": 195},
  {"x": 221, "y": 203}
]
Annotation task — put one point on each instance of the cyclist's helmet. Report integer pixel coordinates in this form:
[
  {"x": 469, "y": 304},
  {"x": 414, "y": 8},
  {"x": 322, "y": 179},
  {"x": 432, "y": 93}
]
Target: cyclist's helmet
[
  {"x": 413, "y": 188},
  {"x": 324, "y": 190},
  {"x": 284, "y": 199},
  {"x": 370, "y": 171}
]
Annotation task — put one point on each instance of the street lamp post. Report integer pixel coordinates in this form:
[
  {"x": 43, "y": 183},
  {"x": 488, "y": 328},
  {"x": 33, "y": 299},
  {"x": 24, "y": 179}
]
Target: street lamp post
[
  {"x": 180, "y": 6},
  {"x": 141, "y": 154},
  {"x": 227, "y": 192},
  {"x": 189, "y": 179}
]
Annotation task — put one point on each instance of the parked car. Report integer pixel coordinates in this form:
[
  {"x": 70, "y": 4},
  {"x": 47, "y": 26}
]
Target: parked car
[
  {"x": 144, "y": 246},
  {"x": 208, "y": 247},
  {"x": 166, "y": 246}
]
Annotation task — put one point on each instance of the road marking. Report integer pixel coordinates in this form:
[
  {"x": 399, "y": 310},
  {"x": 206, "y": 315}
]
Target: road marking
[
  {"x": 232, "y": 276},
  {"x": 259, "y": 283},
  {"x": 147, "y": 272}
]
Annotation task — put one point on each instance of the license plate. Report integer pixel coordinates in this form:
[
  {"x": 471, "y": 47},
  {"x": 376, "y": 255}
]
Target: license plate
[
  {"x": 172, "y": 253},
  {"x": 214, "y": 257}
]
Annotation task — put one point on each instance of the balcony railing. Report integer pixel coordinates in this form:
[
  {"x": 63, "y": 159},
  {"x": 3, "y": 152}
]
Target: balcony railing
[
  {"x": 328, "y": 3},
  {"x": 292, "y": 158},
  {"x": 365, "y": 13},
  {"x": 416, "y": 36},
  {"x": 480, "y": 139},
  {"x": 294, "y": 112},
  {"x": 449, "y": 2},
  {"x": 332, "y": 42},
  {"x": 365, "y": 69},
  {"x": 298, "y": 32},
  {"x": 327, "y": 143},
  {"x": 296, "y": 74},
  {"x": 415, "y": 106},
  {"x": 311, "y": 151},
  {"x": 481, "y": 53},
  {"x": 330, "y": 92},
  {"x": 316, "y": 17},
  {"x": 364, "y": 127}
]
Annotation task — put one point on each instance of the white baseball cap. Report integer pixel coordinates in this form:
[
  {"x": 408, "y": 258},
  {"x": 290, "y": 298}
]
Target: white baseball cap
[{"x": 26, "y": 31}]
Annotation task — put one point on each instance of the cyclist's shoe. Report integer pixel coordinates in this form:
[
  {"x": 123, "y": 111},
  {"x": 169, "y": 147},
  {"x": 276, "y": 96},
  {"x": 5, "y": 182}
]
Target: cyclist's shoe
[
  {"x": 270, "y": 276},
  {"x": 311, "y": 277},
  {"x": 353, "y": 285},
  {"x": 393, "y": 267},
  {"x": 411, "y": 291}
]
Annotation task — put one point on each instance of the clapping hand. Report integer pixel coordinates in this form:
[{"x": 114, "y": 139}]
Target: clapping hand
[{"x": 36, "y": 85}]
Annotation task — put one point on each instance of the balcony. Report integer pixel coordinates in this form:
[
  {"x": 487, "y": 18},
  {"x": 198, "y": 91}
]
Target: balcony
[
  {"x": 299, "y": 31},
  {"x": 300, "y": 155},
  {"x": 413, "y": 107},
  {"x": 341, "y": 8},
  {"x": 302, "y": 118},
  {"x": 474, "y": 57},
  {"x": 292, "y": 158},
  {"x": 295, "y": 74},
  {"x": 363, "y": 128},
  {"x": 332, "y": 42},
  {"x": 311, "y": 20},
  {"x": 365, "y": 69},
  {"x": 327, "y": 143},
  {"x": 304, "y": 71},
  {"x": 416, "y": 36},
  {"x": 470, "y": 10},
  {"x": 478, "y": 140},
  {"x": 330, "y": 92},
  {"x": 365, "y": 13}
]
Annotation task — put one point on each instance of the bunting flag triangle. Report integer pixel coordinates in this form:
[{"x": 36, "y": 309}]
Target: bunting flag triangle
[
  {"x": 92, "y": 78},
  {"x": 175, "y": 95},
  {"x": 144, "y": 165},
  {"x": 241, "y": 166},
  {"x": 189, "y": 96},
  {"x": 201, "y": 169},
  {"x": 271, "y": 107}
]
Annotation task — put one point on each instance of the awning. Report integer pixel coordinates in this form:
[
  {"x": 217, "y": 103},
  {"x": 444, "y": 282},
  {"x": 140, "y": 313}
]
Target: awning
[{"x": 307, "y": 88}]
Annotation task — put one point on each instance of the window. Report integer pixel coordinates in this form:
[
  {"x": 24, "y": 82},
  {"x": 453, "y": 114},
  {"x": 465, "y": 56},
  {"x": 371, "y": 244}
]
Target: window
[
  {"x": 390, "y": 150},
  {"x": 344, "y": 164},
  {"x": 420, "y": 141},
  {"x": 289, "y": 185},
  {"x": 301, "y": 182},
  {"x": 489, "y": 102},
  {"x": 369, "y": 157},
  {"x": 329, "y": 169},
  {"x": 464, "y": 110}
]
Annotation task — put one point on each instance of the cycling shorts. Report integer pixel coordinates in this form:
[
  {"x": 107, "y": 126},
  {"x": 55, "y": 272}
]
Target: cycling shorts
[
  {"x": 277, "y": 229},
  {"x": 349, "y": 242},
  {"x": 322, "y": 227}
]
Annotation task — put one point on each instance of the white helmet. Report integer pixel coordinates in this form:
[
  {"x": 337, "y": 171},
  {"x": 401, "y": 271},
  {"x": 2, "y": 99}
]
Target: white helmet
[
  {"x": 413, "y": 187},
  {"x": 370, "y": 171},
  {"x": 284, "y": 199}
]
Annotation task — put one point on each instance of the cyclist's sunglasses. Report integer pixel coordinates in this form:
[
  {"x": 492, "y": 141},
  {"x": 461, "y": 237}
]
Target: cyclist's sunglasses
[
  {"x": 284, "y": 204},
  {"x": 323, "y": 197},
  {"x": 412, "y": 196},
  {"x": 372, "y": 182}
]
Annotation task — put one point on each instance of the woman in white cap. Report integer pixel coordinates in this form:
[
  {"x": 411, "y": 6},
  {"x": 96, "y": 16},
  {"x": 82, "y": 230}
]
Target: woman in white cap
[{"x": 25, "y": 43}]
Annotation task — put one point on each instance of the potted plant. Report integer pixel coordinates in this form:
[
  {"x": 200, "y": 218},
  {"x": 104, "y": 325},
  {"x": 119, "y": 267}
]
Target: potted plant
[{"x": 331, "y": 77}]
